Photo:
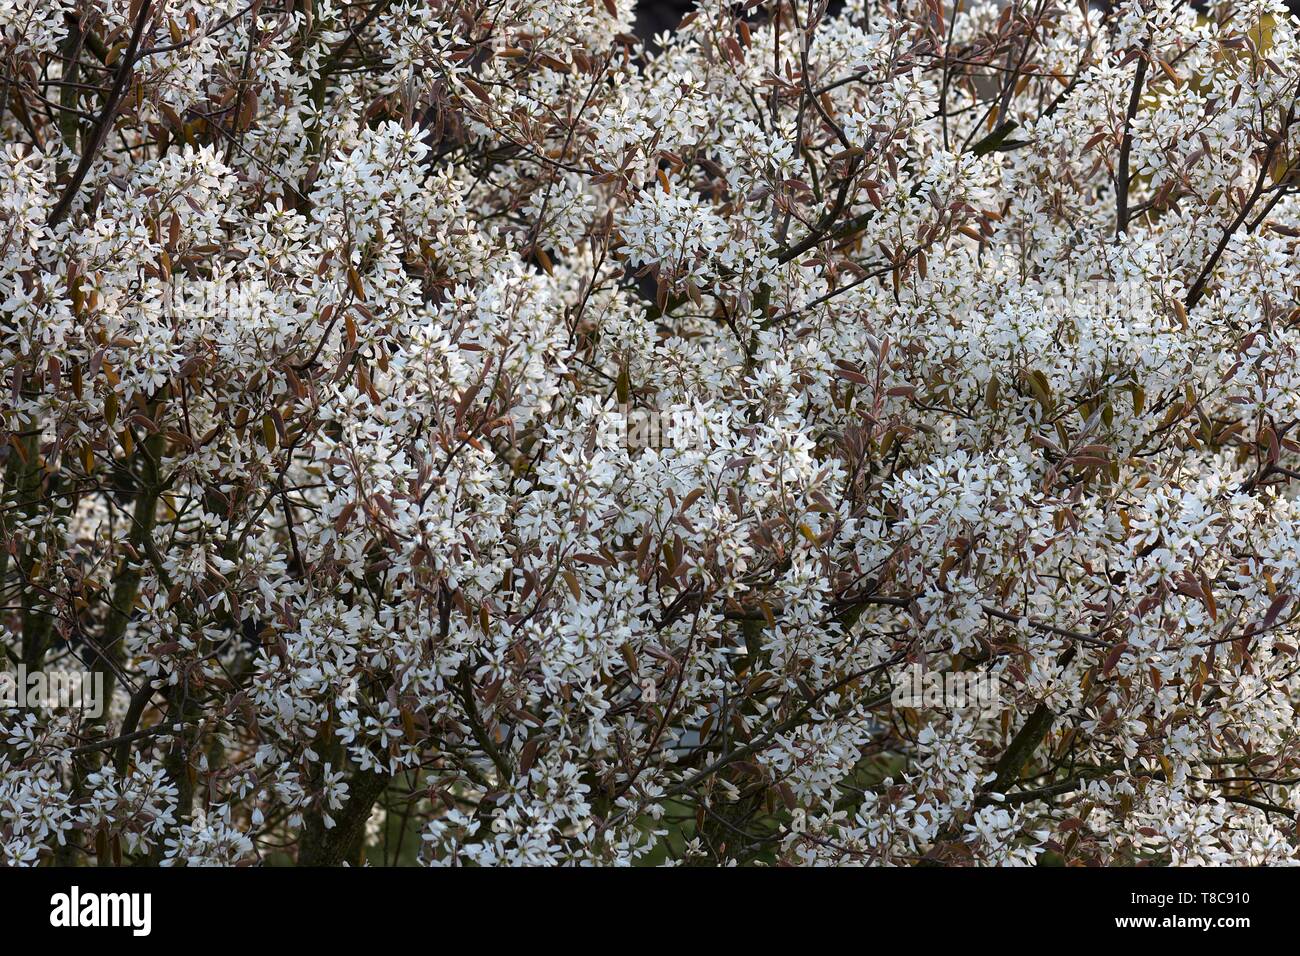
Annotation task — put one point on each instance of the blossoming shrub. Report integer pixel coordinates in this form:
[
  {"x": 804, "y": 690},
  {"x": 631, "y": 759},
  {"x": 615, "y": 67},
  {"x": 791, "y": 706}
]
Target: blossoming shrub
[{"x": 977, "y": 324}]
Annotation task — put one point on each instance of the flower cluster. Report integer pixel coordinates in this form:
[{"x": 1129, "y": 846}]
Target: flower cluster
[{"x": 982, "y": 320}]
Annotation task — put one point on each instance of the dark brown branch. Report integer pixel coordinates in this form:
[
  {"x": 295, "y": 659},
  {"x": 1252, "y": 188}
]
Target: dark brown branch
[
  {"x": 330, "y": 847},
  {"x": 1198, "y": 287},
  {"x": 60, "y": 211},
  {"x": 1126, "y": 146}
]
